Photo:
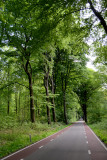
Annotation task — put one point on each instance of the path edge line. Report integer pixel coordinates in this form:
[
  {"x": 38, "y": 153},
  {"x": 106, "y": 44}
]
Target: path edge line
[{"x": 98, "y": 138}]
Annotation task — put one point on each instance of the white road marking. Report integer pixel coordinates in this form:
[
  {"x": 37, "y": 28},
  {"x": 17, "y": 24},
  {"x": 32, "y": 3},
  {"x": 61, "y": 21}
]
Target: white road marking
[
  {"x": 40, "y": 147},
  {"x": 21, "y": 159},
  {"x": 51, "y": 140},
  {"x": 89, "y": 152},
  {"x": 98, "y": 139},
  {"x": 87, "y": 142}
]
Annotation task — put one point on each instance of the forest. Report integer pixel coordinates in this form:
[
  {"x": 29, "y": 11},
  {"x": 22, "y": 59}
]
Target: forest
[{"x": 45, "y": 83}]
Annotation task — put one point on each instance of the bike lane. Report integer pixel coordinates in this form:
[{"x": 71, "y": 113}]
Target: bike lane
[{"x": 98, "y": 150}]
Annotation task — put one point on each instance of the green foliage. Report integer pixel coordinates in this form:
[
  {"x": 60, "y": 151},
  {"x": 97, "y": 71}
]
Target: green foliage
[
  {"x": 97, "y": 109},
  {"x": 100, "y": 129},
  {"x": 15, "y": 135}
]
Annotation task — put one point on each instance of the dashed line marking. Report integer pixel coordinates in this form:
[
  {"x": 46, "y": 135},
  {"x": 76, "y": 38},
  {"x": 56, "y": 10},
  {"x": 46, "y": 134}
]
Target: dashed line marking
[
  {"x": 40, "y": 147},
  {"x": 21, "y": 159},
  {"x": 87, "y": 142},
  {"x": 89, "y": 152}
]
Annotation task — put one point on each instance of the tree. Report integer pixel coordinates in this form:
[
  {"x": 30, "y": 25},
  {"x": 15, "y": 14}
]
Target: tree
[
  {"x": 91, "y": 83},
  {"x": 19, "y": 32},
  {"x": 97, "y": 106}
]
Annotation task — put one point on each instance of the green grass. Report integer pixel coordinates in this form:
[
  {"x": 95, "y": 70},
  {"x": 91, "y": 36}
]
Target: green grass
[
  {"x": 100, "y": 130},
  {"x": 16, "y": 136}
]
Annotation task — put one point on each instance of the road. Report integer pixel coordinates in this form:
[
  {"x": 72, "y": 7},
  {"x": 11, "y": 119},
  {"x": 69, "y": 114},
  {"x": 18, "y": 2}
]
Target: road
[{"x": 76, "y": 142}]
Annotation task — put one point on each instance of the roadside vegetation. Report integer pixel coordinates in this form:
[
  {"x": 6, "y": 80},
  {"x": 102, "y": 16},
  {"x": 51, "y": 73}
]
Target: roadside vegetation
[
  {"x": 100, "y": 129},
  {"x": 15, "y": 135}
]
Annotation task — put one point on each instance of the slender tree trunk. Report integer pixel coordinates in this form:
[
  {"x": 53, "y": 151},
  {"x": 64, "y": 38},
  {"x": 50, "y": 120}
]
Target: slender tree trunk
[
  {"x": 8, "y": 103},
  {"x": 64, "y": 104},
  {"x": 32, "y": 109},
  {"x": 53, "y": 100},
  {"x": 19, "y": 102},
  {"x": 46, "y": 83},
  {"x": 8, "y": 107},
  {"x": 64, "y": 98},
  {"x": 16, "y": 101},
  {"x": 19, "y": 105}
]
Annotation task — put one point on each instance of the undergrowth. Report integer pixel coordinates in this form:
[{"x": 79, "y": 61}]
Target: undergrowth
[
  {"x": 100, "y": 130},
  {"x": 15, "y": 135}
]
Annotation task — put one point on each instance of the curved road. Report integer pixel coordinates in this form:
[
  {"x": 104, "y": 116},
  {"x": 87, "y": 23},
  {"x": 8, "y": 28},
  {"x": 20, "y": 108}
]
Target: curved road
[{"x": 76, "y": 142}]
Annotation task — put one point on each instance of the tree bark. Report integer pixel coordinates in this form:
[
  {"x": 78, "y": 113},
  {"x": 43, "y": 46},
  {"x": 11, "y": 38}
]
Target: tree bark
[
  {"x": 8, "y": 103},
  {"x": 19, "y": 102},
  {"x": 98, "y": 15},
  {"x": 16, "y": 100},
  {"x": 65, "y": 115},
  {"x": 32, "y": 109},
  {"x": 29, "y": 73},
  {"x": 53, "y": 100},
  {"x": 84, "y": 108},
  {"x": 46, "y": 84},
  {"x": 64, "y": 98}
]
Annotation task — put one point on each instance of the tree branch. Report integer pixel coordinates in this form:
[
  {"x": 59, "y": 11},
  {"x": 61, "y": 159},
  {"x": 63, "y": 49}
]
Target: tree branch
[
  {"x": 12, "y": 84},
  {"x": 99, "y": 16}
]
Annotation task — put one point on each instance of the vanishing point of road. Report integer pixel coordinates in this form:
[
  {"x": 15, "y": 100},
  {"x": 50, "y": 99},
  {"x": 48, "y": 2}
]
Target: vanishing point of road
[{"x": 76, "y": 142}]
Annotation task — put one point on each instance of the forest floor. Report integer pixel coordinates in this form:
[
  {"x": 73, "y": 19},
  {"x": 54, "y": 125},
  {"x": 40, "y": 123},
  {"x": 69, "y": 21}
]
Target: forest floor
[{"x": 14, "y": 136}]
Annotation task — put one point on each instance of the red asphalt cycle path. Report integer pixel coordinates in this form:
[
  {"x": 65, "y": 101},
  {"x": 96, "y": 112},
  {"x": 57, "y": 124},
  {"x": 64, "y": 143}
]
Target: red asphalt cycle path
[{"x": 98, "y": 152}]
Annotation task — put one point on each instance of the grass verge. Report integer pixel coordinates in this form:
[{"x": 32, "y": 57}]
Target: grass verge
[
  {"x": 100, "y": 130},
  {"x": 18, "y": 136}
]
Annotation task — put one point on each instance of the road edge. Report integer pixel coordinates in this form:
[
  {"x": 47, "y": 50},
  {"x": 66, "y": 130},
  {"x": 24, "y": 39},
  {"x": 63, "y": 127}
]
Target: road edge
[
  {"x": 98, "y": 138},
  {"x": 12, "y": 154}
]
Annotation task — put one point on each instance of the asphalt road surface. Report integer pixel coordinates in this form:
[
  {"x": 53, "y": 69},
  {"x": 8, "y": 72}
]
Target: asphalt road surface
[{"x": 76, "y": 142}]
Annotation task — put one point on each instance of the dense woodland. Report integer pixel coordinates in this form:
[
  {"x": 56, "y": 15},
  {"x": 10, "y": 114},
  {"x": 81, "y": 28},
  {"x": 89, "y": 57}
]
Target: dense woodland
[{"x": 43, "y": 55}]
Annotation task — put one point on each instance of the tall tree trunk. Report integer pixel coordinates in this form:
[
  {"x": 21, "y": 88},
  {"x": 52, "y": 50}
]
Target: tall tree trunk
[
  {"x": 32, "y": 109},
  {"x": 84, "y": 108},
  {"x": 19, "y": 102},
  {"x": 64, "y": 104},
  {"x": 8, "y": 98},
  {"x": 16, "y": 101},
  {"x": 28, "y": 70},
  {"x": 64, "y": 98},
  {"x": 46, "y": 83},
  {"x": 8, "y": 102},
  {"x": 8, "y": 107},
  {"x": 53, "y": 100}
]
